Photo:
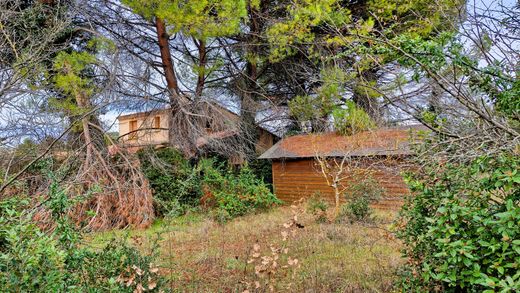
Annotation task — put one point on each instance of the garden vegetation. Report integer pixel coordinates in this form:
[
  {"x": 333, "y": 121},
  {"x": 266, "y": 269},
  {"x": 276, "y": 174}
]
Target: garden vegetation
[{"x": 291, "y": 67}]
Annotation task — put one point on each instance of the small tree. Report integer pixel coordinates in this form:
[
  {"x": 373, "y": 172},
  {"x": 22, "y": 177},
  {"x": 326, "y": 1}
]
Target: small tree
[
  {"x": 338, "y": 171},
  {"x": 335, "y": 170}
]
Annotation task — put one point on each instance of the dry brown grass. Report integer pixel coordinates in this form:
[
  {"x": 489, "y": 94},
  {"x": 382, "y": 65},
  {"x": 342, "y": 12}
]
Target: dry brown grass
[{"x": 199, "y": 255}]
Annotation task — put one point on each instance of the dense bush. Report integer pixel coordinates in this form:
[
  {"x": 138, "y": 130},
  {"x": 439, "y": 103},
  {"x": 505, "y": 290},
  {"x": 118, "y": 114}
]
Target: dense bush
[
  {"x": 358, "y": 209},
  {"x": 175, "y": 183},
  {"x": 462, "y": 229},
  {"x": 118, "y": 267},
  {"x": 234, "y": 194},
  {"x": 32, "y": 260},
  {"x": 262, "y": 169},
  {"x": 29, "y": 259},
  {"x": 359, "y": 196}
]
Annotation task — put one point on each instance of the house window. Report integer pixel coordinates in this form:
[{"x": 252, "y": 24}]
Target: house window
[
  {"x": 157, "y": 122},
  {"x": 133, "y": 129}
]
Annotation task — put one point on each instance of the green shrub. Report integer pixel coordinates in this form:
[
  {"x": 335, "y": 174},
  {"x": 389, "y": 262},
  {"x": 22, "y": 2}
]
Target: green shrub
[
  {"x": 359, "y": 196},
  {"x": 367, "y": 188},
  {"x": 118, "y": 267},
  {"x": 32, "y": 260},
  {"x": 462, "y": 228},
  {"x": 174, "y": 182},
  {"x": 357, "y": 209},
  {"x": 352, "y": 119},
  {"x": 234, "y": 194},
  {"x": 177, "y": 185},
  {"x": 262, "y": 169}
]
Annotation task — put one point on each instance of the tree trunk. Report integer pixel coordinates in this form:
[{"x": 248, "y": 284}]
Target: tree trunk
[
  {"x": 248, "y": 110},
  {"x": 336, "y": 200},
  {"x": 175, "y": 101},
  {"x": 166, "y": 58},
  {"x": 84, "y": 103},
  {"x": 250, "y": 91}
]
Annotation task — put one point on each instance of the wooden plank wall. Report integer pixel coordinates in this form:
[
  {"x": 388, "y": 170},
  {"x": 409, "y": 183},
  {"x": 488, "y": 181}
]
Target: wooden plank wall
[{"x": 295, "y": 179}]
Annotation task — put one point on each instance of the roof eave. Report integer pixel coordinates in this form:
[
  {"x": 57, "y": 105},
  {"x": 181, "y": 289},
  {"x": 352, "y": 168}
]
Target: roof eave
[{"x": 336, "y": 156}]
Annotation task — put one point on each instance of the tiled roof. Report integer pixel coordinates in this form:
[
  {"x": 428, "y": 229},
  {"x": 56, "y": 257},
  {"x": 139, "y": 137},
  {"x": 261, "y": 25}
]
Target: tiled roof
[{"x": 379, "y": 142}]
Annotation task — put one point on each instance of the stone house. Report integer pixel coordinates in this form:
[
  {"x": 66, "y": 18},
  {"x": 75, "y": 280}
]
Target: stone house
[{"x": 145, "y": 129}]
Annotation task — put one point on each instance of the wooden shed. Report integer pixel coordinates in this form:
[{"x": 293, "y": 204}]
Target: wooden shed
[{"x": 380, "y": 154}]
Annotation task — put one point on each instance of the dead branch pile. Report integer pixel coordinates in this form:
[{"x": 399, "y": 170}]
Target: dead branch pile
[
  {"x": 105, "y": 189},
  {"x": 110, "y": 193}
]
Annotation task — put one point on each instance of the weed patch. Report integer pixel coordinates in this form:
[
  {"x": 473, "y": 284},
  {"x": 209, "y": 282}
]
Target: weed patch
[{"x": 206, "y": 256}]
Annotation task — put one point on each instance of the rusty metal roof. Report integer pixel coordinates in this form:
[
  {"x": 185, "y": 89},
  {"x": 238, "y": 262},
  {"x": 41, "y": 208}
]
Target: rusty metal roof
[{"x": 378, "y": 142}]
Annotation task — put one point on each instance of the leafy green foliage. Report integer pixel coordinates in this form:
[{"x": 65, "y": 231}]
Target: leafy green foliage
[
  {"x": 29, "y": 259},
  {"x": 357, "y": 209},
  {"x": 234, "y": 194},
  {"x": 118, "y": 266},
  {"x": 306, "y": 26},
  {"x": 75, "y": 82},
  {"x": 328, "y": 97},
  {"x": 352, "y": 119},
  {"x": 175, "y": 183},
  {"x": 32, "y": 260},
  {"x": 353, "y": 36},
  {"x": 178, "y": 185},
  {"x": 462, "y": 228},
  {"x": 261, "y": 168},
  {"x": 416, "y": 18},
  {"x": 306, "y": 108},
  {"x": 70, "y": 66},
  {"x": 359, "y": 197},
  {"x": 298, "y": 27},
  {"x": 507, "y": 101},
  {"x": 200, "y": 19}
]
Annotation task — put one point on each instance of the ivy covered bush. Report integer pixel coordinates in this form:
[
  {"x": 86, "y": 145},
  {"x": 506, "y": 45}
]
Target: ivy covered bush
[
  {"x": 462, "y": 228},
  {"x": 234, "y": 194},
  {"x": 174, "y": 181},
  {"x": 262, "y": 169},
  {"x": 29, "y": 259},
  {"x": 179, "y": 184}
]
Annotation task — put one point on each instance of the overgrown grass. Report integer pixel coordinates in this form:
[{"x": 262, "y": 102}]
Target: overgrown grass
[{"x": 200, "y": 255}]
